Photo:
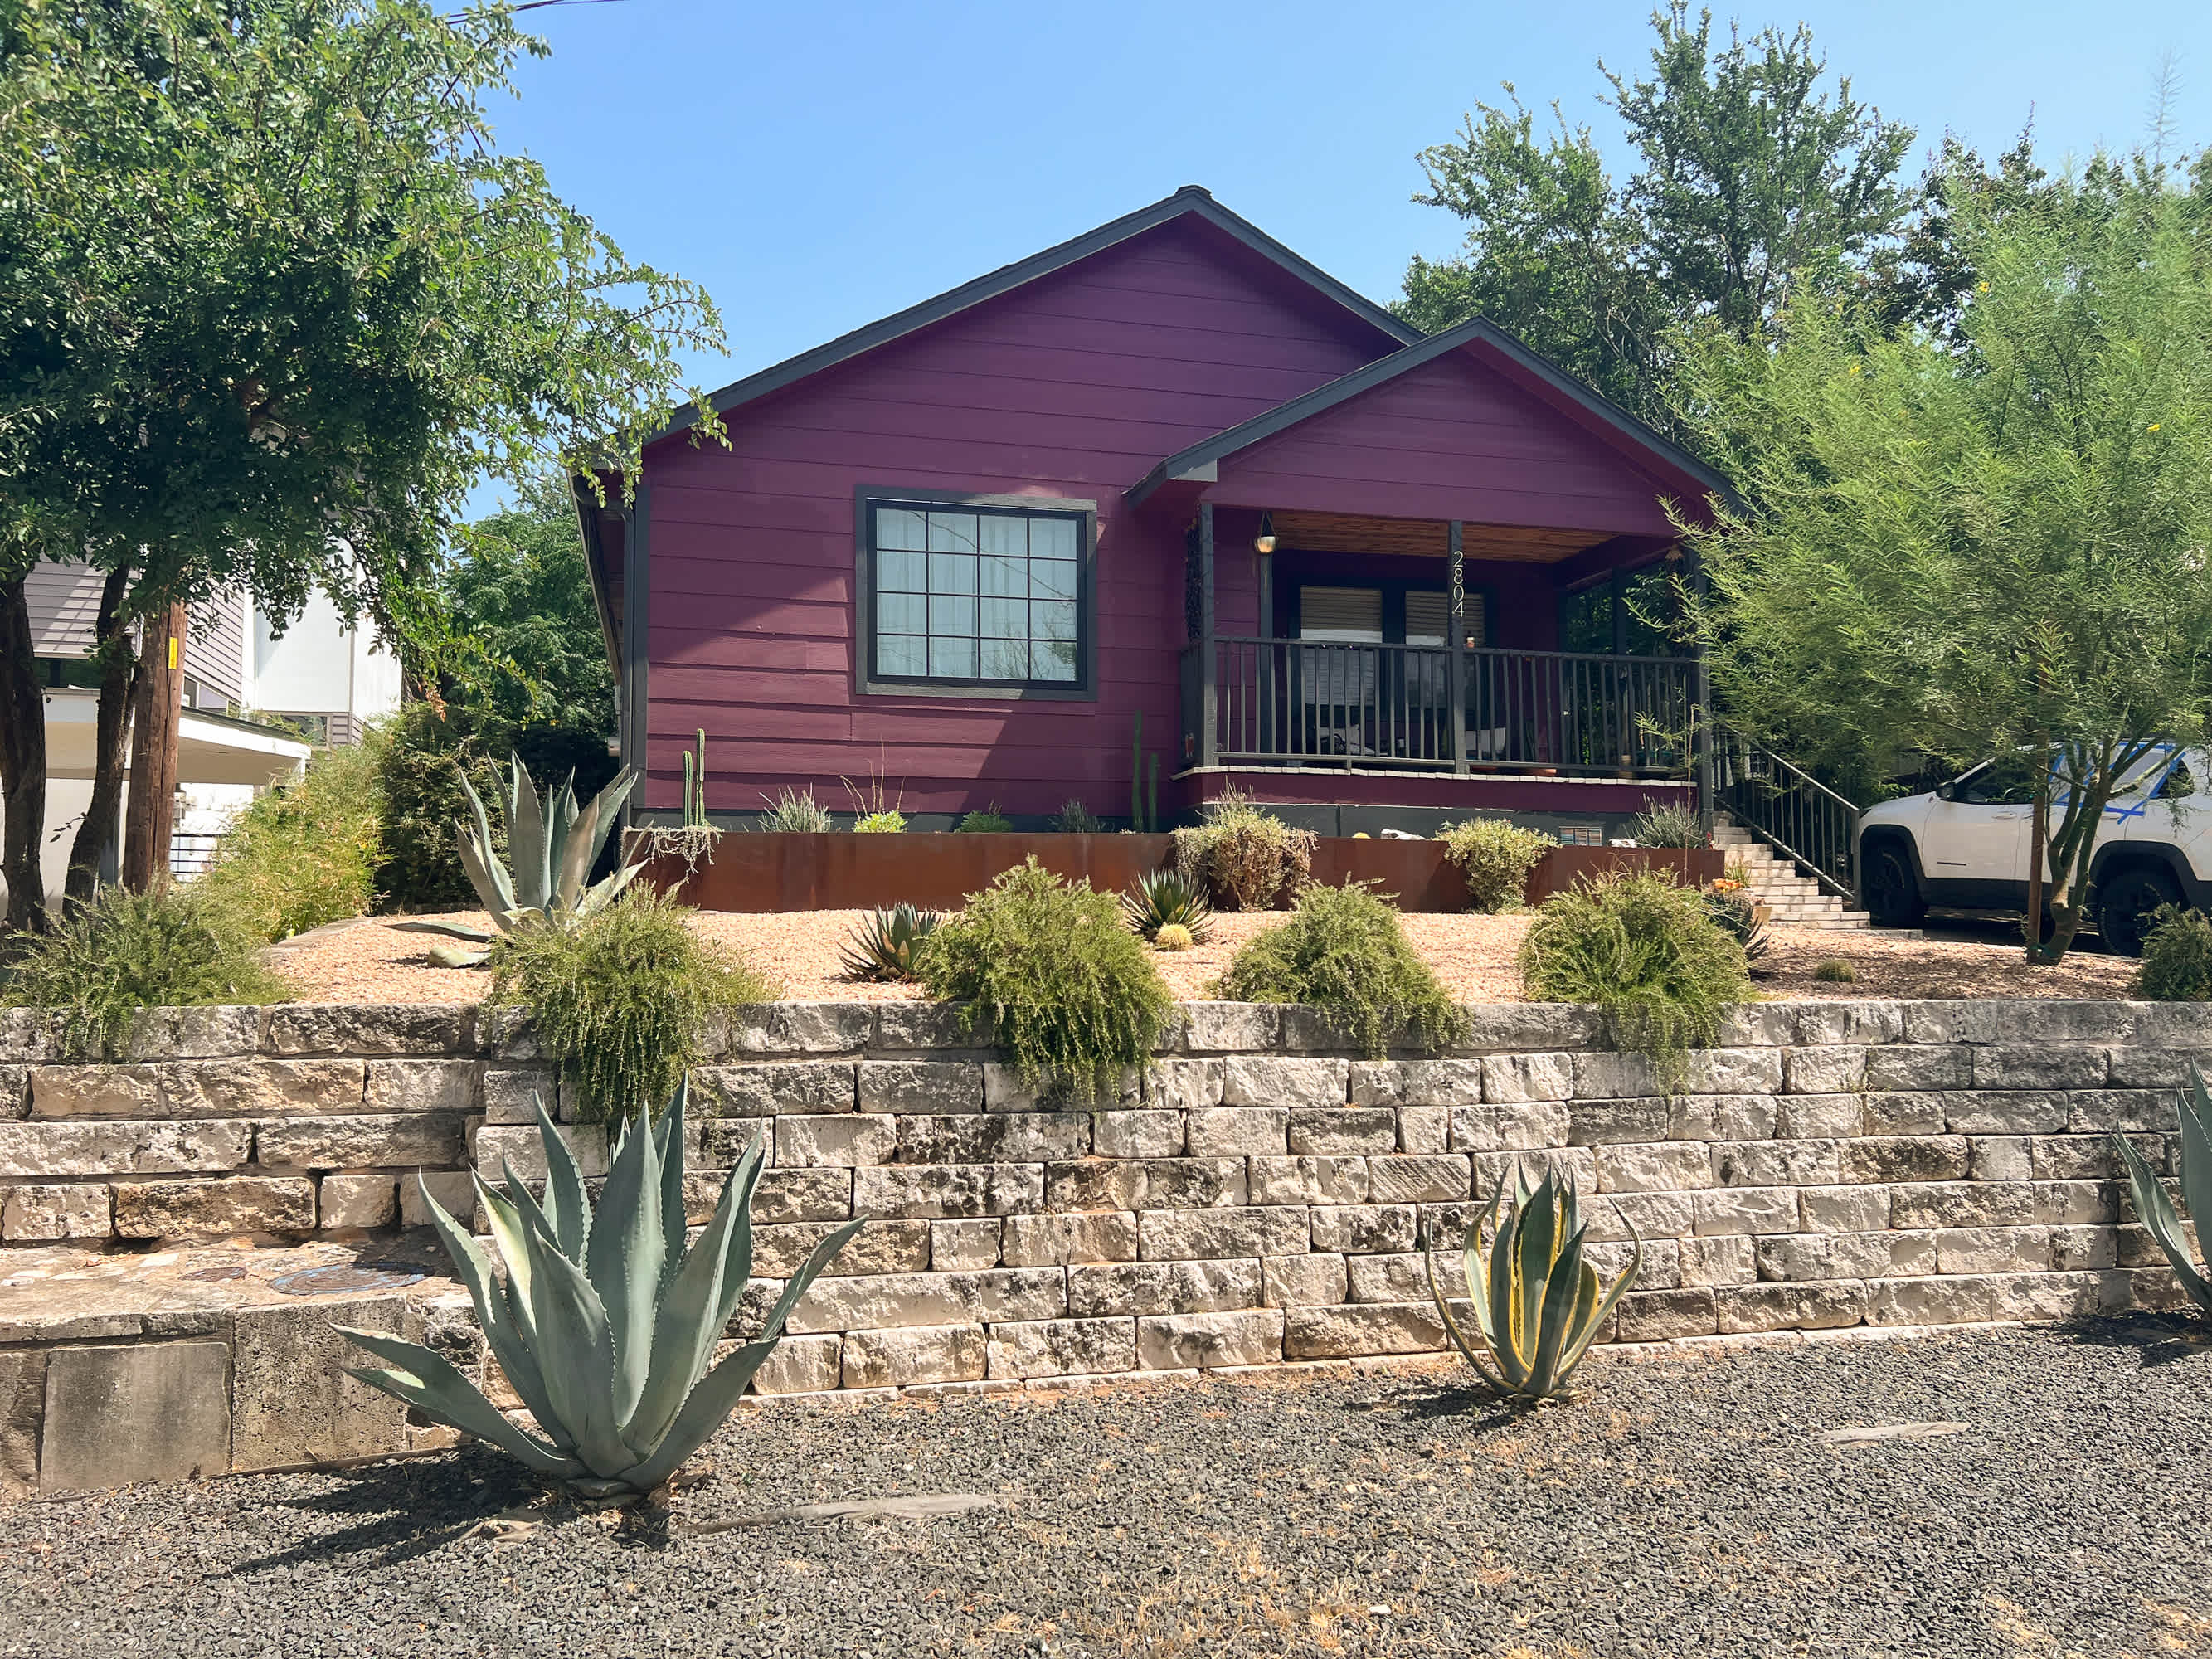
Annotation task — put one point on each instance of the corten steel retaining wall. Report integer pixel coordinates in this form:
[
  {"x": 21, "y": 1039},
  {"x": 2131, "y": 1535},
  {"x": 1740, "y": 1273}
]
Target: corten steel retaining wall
[
  {"x": 787, "y": 871},
  {"x": 1257, "y": 1199}
]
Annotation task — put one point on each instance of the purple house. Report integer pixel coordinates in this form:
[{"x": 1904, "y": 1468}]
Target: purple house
[{"x": 1168, "y": 469}]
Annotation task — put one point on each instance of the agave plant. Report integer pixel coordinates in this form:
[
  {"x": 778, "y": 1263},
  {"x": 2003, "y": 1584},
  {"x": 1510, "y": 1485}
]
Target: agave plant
[
  {"x": 1167, "y": 898},
  {"x": 2157, "y": 1210},
  {"x": 552, "y": 845},
  {"x": 604, "y": 1324},
  {"x": 883, "y": 945},
  {"x": 1538, "y": 1304}
]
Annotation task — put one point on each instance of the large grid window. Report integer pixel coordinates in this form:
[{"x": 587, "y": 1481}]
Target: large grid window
[{"x": 980, "y": 595}]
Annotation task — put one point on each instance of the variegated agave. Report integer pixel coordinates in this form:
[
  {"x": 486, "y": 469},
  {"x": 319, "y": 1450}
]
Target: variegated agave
[
  {"x": 1537, "y": 1303},
  {"x": 604, "y": 1324},
  {"x": 551, "y": 845},
  {"x": 2157, "y": 1210}
]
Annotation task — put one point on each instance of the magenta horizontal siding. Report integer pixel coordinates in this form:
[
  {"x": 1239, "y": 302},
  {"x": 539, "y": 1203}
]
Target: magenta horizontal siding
[{"x": 1452, "y": 439}]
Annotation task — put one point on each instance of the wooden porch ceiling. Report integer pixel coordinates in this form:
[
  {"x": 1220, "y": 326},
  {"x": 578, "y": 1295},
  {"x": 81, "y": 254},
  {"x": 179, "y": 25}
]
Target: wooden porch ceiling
[{"x": 1342, "y": 532}]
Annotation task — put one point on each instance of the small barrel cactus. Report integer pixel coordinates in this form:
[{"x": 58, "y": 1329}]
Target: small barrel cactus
[{"x": 1172, "y": 936}]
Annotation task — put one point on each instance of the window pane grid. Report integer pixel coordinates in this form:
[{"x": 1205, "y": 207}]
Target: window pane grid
[{"x": 976, "y": 594}]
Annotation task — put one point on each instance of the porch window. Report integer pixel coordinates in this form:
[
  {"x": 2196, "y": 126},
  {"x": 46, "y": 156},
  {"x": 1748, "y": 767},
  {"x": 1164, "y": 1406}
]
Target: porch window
[{"x": 992, "y": 598}]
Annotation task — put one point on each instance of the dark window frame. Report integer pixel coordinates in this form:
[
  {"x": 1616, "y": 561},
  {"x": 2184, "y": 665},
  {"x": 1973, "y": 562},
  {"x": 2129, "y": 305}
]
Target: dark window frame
[{"x": 869, "y": 682}]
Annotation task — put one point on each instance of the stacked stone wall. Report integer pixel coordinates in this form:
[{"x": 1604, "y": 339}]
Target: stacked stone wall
[{"x": 1257, "y": 1197}]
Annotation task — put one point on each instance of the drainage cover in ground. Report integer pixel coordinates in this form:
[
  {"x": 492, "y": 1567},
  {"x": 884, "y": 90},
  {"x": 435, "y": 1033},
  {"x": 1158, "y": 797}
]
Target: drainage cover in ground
[{"x": 330, "y": 1281}]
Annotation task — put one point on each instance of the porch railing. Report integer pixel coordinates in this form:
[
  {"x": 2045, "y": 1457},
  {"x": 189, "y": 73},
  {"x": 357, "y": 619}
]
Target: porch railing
[
  {"x": 1321, "y": 703},
  {"x": 1790, "y": 809}
]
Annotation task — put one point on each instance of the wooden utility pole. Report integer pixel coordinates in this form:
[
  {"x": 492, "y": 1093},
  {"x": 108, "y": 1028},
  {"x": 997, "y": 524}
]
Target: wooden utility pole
[{"x": 151, "y": 810}]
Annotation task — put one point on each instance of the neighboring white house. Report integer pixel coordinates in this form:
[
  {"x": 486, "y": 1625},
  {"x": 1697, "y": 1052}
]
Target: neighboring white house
[{"x": 329, "y": 680}]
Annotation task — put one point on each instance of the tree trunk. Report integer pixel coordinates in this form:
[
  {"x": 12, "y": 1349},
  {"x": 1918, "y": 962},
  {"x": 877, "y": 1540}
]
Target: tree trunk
[
  {"x": 152, "y": 808},
  {"x": 22, "y": 763},
  {"x": 2039, "y": 851},
  {"x": 119, "y": 669}
]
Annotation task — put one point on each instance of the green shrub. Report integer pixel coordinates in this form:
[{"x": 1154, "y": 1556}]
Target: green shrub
[
  {"x": 304, "y": 853},
  {"x": 420, "y": 763},
  {"x": 1669, "y": 826},
  {"x": 888, "y": 822},
  {"x": 1835, "y": 971},
  {"x": 1345, "y": 951},
  {"x": 795, "y": 812},
  {"x": 1645, "y": 951},
  {"x": 620, "y": 1001},
  {"x": 124, "y": 951},
  {"x": 1074, "y": 818},
  {"x": 2177, "y": 957},
  {"x": 1493, "y": 857},
  {"x": 988, "y": 822},
  {"x": 1244, "y": 855},
  {"x": 1070, "y": 995}
]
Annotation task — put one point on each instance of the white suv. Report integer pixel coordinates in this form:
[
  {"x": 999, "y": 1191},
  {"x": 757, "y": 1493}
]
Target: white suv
[{"x": 1965, "y": 846}]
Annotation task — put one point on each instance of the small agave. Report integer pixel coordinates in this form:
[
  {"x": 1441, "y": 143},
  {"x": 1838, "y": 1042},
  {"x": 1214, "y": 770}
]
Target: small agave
[
  {"x": 552, "y": 844},
  {"x": 2157, "y": 1210},
  {"x": 1538, "y": 1304},
  {"x": 883, "y": 946},
  {"x": 1167, "y": 898},
  {"x": 604, "y": 1323}
]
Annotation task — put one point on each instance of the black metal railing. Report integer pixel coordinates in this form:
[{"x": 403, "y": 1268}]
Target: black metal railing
[
  {"x": 1788, "y": 807},
  {"x": 192, "y": 853},
  {"x": 1315, "y": 702}
]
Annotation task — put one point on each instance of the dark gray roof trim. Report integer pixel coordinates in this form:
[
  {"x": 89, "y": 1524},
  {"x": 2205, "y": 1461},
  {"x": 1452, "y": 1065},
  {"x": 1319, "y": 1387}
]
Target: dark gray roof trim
[
  {"x": 1202, "y": 457},
  {"x": 1191, "y": 198}
]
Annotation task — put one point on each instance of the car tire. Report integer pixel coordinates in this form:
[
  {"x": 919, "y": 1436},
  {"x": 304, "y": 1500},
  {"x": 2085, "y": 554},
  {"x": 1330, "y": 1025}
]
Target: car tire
[
  {"x": 2125, "y": 899},
  {"x": 1891, "y": 886}
]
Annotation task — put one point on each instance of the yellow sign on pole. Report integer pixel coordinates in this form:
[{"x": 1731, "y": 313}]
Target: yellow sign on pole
[{"x": 172, "y": 650}]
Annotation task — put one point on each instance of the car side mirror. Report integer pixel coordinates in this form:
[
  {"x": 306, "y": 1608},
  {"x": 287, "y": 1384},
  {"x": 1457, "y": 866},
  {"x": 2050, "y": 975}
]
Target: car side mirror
[{"x": 1947, "y": 792}]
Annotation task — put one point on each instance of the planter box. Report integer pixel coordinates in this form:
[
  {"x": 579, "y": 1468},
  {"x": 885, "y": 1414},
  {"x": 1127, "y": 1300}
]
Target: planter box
[
  {"x": 1561, "y": 868},
  {"x": 846, "y": 872}
]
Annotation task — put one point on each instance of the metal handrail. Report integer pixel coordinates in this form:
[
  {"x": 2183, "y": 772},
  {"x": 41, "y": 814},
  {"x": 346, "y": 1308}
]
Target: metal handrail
[{"x": 1790, "y": 810}]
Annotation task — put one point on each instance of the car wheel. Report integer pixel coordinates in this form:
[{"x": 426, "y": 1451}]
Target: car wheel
[
  {"x": 2124, "y": 903},
  {"x": 1892, "y": 890}
]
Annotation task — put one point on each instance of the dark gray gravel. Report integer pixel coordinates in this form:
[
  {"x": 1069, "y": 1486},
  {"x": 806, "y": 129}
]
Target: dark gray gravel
[{"x": 1682, "y": 1507}]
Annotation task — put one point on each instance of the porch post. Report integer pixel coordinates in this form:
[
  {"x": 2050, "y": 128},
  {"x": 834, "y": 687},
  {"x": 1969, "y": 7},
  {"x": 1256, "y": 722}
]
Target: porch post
[
  {"x": 1265, "y": 583},
  {"x": 1455, "y": 671},
  {"x": 1209, "y": 668}
]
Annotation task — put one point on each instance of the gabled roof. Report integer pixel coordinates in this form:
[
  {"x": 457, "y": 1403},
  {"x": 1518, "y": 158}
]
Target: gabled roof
[
  {"x": 1191, "y": 199},
  {"x": 1200, "y": 462}
]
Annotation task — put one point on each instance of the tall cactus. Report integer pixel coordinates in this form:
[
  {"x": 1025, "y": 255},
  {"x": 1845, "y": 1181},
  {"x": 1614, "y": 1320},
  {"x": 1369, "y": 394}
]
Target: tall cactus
[
  {"x": 1142, "y": 817},
  {"x": 695, "y": 783}
]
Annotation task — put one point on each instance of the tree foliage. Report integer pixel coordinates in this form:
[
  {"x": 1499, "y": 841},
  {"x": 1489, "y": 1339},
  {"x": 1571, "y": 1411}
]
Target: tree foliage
[
  {"x": 1988, "y": 535},
  {"x": 273, "y": 301},
  {"x": 1750, "y": 175},
  {"x": 523, "y": 630}
]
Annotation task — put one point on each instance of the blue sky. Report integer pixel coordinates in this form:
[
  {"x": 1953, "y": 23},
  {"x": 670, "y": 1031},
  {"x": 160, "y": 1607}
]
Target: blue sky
[{"x": 818, "y": 166}]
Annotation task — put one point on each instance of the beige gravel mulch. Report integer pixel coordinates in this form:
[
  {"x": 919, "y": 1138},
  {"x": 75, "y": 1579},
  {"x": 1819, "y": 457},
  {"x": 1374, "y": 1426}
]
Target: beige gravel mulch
[{"x": 370, "y": 960}]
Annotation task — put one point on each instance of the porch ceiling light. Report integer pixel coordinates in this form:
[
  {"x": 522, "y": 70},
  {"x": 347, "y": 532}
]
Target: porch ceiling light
[{"x": 1264, "y": 542}]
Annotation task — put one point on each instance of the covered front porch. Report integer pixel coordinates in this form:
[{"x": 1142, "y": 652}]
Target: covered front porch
[
  {"x": 1361, "y": 643},
  {"x": 1454, "y": 564}
]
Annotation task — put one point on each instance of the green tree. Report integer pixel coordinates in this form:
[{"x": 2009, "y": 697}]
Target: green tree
[
  {"x": 272, "y": 302},
  {"x": 1750, "y": 176},
  {"x": 1986, "y": 538},
  {"x": 526, "y": 635}
]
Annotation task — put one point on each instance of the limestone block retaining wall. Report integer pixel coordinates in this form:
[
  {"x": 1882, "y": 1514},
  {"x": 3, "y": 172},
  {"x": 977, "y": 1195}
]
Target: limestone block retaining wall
[
  {"x": 1256, "y": 1197},
  {"x": 222, "y": 1120}
]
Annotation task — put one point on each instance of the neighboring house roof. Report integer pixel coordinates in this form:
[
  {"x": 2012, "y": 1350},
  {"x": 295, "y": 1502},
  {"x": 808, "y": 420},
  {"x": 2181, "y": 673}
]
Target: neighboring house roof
[
  {"x": 1191, "y": 199},
  {"x": 1198, "y": 462}
]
